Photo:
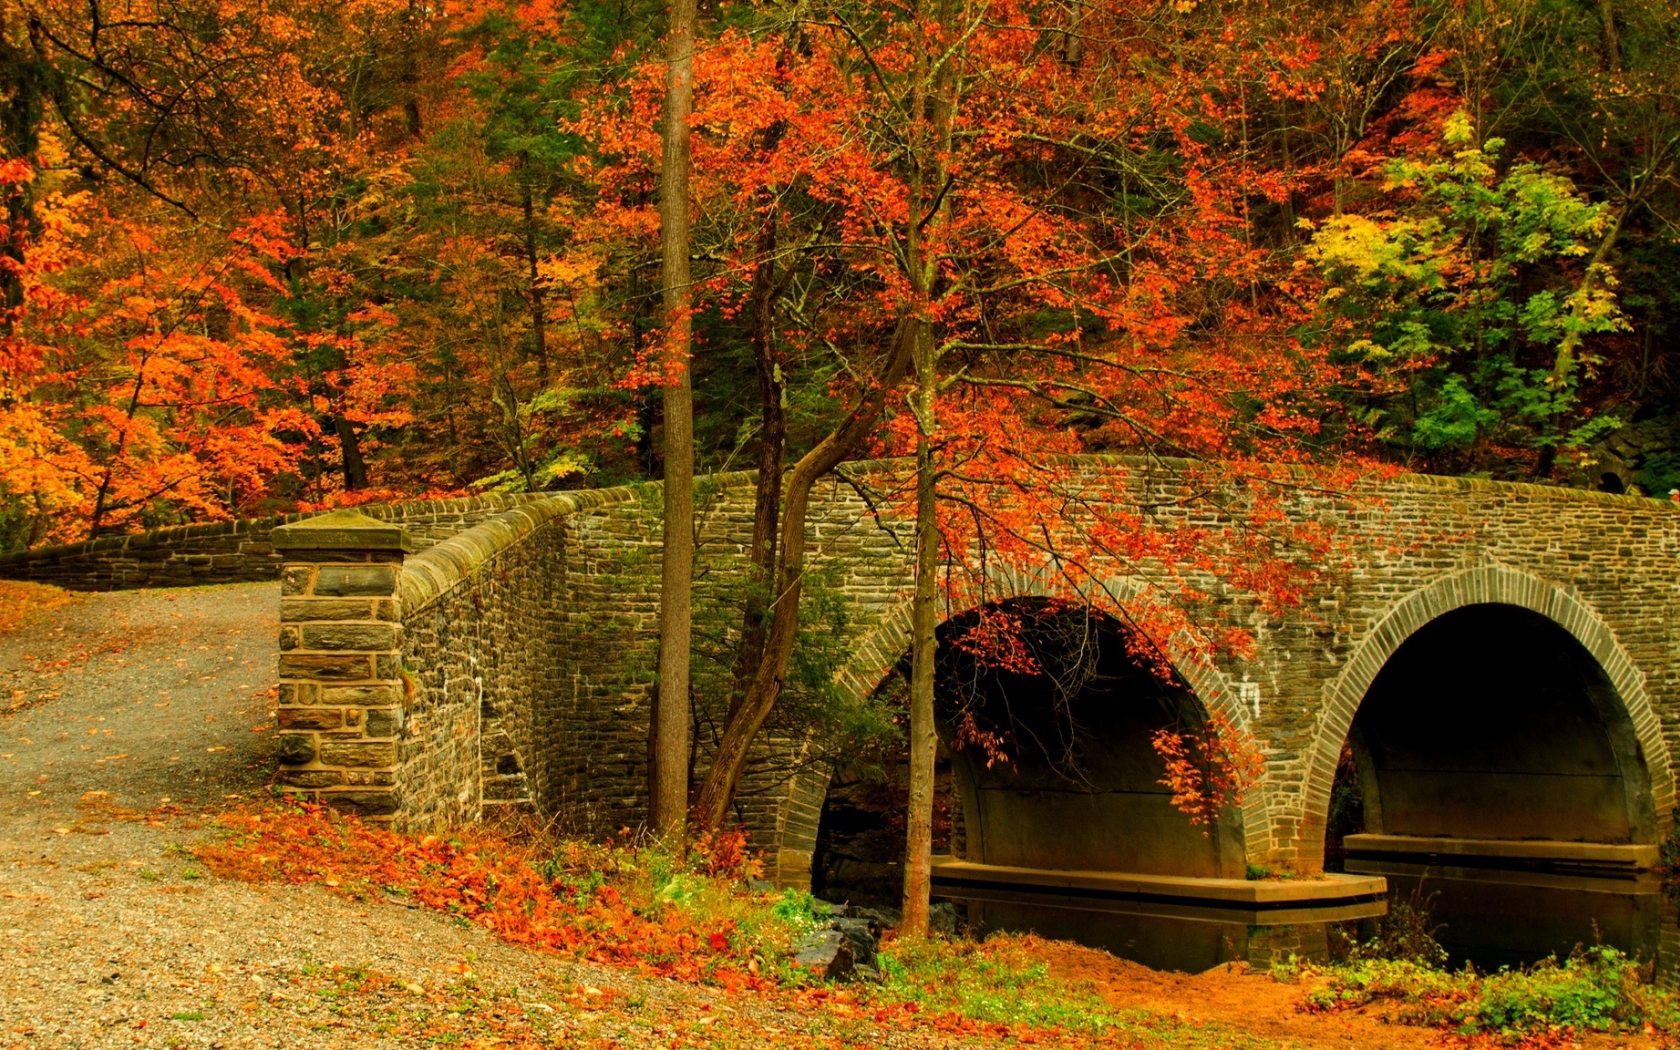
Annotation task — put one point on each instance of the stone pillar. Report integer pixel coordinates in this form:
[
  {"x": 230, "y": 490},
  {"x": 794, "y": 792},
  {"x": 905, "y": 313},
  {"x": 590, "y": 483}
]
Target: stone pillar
[{"x": 341, "y": 687}]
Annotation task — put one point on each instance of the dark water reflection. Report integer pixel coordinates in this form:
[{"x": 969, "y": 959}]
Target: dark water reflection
[
  {"x": 1490, "y": 919},
  {"x": 1165, "y": 935},
  {"x": 1511, "y": 918}
]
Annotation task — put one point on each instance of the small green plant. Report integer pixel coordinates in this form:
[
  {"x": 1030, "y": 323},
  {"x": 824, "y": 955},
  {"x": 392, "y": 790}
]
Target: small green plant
[
  {"x": 799, "y": 906},
  {"x": 1405, "y": 934},
  {"x": 998, "y": 982},
  {"x": 188, "y": 1015}
]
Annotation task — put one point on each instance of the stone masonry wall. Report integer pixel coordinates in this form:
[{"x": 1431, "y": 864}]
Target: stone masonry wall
[
  {"x": 482, "y": 653},
  {"x": 226, "y": 551},
  {"x": 1410, "y": 549},
  {"x": 530, "y": 640}
]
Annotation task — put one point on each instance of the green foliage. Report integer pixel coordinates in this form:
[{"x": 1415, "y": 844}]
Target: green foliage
[
  {"x": 1660, "y": 473},
  {"x": 1596, "y": 989},
  {"x": 1471, "y": 300},
  {"x": 998, "y": 982},
  {"x": 799, "y": 906}
]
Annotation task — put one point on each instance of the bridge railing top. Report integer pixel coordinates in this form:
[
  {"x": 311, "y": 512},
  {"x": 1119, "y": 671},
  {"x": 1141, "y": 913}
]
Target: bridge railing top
[
  {"x": 561, "y": 503},
  {"x": 407, "y": 510},
  {"x": 436, "y": 571},
  {"x": 1173, "y": 465}
]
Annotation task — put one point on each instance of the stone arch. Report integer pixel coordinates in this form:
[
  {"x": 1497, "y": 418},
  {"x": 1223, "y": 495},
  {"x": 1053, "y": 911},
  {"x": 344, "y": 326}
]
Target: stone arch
[
  {"x": 1489, "y": 584},
  {"x": 884, "y": 644}
]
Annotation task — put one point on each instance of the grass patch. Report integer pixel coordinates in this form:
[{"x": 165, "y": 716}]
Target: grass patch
[{"x": 1001, "y": 981}]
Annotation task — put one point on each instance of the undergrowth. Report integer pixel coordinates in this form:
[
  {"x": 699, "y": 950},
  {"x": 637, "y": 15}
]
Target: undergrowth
[
  {"x": 1595, "y": 989},
  {"x": 627, "y": 902},
  {"x": 1000, "y": 981}
]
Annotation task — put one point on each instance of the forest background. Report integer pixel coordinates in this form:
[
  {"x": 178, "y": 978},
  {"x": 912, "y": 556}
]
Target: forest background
[
  {"x": 271, "y": 254},
  {"x": 267, "y": 255}
]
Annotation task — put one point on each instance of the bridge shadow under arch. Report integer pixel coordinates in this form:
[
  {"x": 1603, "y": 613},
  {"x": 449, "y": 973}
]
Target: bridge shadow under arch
[
  {"x": 1492, "y": 722},
  {"x": 1501, "y": 767},
  {"x": 1073, "y": 781},
  {"x": 1495, "y": 705},
  {"x": 1078, "y": 786}
]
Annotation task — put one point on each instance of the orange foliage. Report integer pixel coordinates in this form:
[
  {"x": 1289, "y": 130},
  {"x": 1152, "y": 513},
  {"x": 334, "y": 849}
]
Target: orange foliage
[
  {"x": 721, "y": 853},
  {"x": 553, "y": 902},
  {"x": 1208, "y": 769},
  {"x": 18, "y": 601}
]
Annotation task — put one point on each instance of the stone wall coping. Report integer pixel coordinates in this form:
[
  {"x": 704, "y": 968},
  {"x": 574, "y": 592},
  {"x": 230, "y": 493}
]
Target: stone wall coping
[
  {"x": 243, "y": 526},
  {"x": 343, "y": 530},
  {"x": 430, "y": 575},
  {"x": 1525, "y": 489},
  {"x": 463, "y": 504}
]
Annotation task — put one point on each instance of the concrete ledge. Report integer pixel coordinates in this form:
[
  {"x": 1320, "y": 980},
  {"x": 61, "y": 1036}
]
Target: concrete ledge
[
  {"x": 1190, "y": 909},
  {"x": 1132, "y": 884},
  {"x": 1641, "y": 858}
]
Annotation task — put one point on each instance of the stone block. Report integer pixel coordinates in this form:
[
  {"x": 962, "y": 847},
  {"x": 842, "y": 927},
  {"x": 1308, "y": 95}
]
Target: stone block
[
  {"x": 311, "y": 778},
  {"x": 348, "y": 667},
  {"x": 374, "y": 695},
  {"x": 296, "y": 749},
  {"x": 293, "y": 610},
  {"x": 357, "y": 753},
  {"x": 297, "y": 693},
  {"x": 352, "y": 636},
  {"x": 342, "y": 530},
  {"x": 294, "y": 579},
  {"x": 311, "y": 718},
  {"x": 341, "y": 581},
  {"x": 366, "y": 804},
  {"x": 386, "y": 721}
]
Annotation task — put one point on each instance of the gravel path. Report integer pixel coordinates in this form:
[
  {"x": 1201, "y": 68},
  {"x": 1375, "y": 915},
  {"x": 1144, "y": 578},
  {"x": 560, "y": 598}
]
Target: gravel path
[
  {"x": 130, "y": 718},
  {"x": 143, "y": 694}
]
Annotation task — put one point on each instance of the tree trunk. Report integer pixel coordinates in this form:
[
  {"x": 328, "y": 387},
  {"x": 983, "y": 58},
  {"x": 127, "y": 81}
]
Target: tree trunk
[
  {"x": 772, "y": 437},
  {"x": 918, "y": 846},
  {"x": 350, "y": 452},
  {"x": 1594, "y": 274},
  {"x": 21, "y": 79},
  {"x": 677, "y": 571},
  {"x": 539, "y": 309},
  {"x": 717, "y": 791},
  {"x": 1612, "y": 45},
  {"x": 927, "y": 181}
]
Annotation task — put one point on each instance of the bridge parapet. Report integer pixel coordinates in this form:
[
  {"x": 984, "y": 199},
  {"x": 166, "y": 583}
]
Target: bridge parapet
[
  {"x": 341, "y": 640},
  {"x": 230, "y": 551}
]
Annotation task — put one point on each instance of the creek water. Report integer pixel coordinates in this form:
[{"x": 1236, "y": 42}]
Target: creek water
[
  {"x": 1495, "y": 918},
  {"x": 1488, "y": 918}
]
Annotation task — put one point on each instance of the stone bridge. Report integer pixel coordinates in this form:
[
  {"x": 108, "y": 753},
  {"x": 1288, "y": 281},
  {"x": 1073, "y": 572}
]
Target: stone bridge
[{"x": 1502, "y": 659}]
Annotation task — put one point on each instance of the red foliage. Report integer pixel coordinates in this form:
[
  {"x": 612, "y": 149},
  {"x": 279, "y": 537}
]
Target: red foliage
[
  {"x": 524, "y": 897},
  {"x": 722, "y": 854},
  {"x": 1208, "y": 769}
]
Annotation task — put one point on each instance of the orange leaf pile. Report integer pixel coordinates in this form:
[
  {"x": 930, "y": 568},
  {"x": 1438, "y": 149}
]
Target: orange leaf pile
[{"x": 585, "y": 901}]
